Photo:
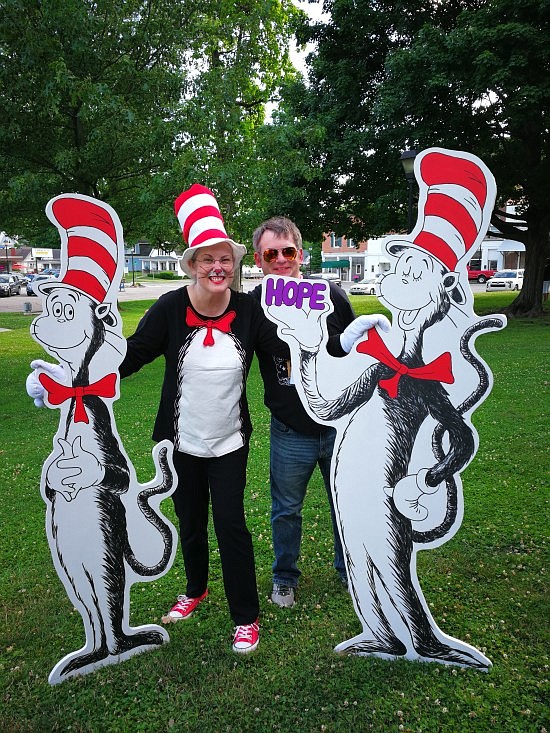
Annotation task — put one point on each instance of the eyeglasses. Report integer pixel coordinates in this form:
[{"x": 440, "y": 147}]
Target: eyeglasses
[
  {"x": 206, "y": 261},
  {"x": 289, "y": 253}
]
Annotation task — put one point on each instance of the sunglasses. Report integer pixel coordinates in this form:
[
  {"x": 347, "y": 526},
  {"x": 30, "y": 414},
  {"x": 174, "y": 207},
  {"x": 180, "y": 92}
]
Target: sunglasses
[{"x": 289, "y": 253}]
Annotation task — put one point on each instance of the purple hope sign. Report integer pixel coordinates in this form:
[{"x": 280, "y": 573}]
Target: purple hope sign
[
  {"x": 298, "y": 304},
  {"x": 285, "y": 291}
]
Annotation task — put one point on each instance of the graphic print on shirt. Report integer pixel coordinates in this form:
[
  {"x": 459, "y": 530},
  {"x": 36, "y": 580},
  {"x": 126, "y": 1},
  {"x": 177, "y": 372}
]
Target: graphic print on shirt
[
  {"x": 401, "y": 404},
  {"x": 209, "y": 422},
  {"x": 282, "y": 369},
  {"x": 105, "y": 529}
]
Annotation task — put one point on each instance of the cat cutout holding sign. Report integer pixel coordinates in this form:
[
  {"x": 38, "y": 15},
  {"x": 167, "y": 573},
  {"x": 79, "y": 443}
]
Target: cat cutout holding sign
[
  {"x": 105, "y": 530},
  {"x": 401, "y": 403}
]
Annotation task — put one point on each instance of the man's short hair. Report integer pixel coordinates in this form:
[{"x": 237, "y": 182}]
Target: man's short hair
[{"x": 281, "y": 227}]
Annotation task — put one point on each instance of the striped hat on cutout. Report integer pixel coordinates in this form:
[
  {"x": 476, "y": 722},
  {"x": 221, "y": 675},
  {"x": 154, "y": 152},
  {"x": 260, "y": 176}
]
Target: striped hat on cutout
[
  {"x": 91, "y": 235},
  {"x": 454, "y": 209}
]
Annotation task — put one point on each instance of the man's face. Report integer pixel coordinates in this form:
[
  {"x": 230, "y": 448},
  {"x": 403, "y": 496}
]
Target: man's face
[{"x": 274, "y": 248}]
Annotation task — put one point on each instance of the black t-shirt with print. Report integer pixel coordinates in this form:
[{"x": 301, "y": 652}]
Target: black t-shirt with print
[{"x": 281, "y": 397}]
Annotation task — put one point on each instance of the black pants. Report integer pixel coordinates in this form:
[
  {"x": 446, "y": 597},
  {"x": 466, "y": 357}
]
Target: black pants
[{"x": 221, "y": 480}]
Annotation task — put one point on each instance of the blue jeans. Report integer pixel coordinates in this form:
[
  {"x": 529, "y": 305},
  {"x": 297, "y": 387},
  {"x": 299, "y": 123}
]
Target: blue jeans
[{"x": 292, "y": 462}]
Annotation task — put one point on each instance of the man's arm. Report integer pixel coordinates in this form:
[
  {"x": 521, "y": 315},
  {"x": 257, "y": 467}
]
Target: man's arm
[{"x": 337, "y": 321}]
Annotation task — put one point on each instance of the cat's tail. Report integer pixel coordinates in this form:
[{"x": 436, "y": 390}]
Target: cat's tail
[
  {"x": 493, "y": 323},
  {"x": 165, "y": 529}
]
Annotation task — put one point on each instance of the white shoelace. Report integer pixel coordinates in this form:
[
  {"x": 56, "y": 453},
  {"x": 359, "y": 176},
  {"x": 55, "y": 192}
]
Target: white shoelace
[{"x": 246, "y": 631}]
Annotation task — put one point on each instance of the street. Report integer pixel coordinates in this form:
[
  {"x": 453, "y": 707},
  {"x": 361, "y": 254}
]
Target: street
[{"x": 152, "y": 290}]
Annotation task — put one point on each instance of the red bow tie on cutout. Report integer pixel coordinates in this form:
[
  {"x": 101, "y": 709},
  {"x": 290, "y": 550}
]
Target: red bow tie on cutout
[
  {"x": 220, "y": 324},
  {"x": 58, "y": 393},
  {"x": 438, "y": 370}
]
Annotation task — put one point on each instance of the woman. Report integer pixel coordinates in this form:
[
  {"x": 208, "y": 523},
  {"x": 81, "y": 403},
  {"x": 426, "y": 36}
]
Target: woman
[{"x": 207, "y": 334}]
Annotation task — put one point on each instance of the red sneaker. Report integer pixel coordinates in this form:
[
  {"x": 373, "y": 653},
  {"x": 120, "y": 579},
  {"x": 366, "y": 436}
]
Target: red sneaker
[
  {"x": 247, "y": 638},
  {"x": 183, "y": 608}
]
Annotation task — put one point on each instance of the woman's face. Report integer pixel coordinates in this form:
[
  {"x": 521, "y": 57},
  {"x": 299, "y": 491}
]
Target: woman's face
[{"x": 214, "y": 267}]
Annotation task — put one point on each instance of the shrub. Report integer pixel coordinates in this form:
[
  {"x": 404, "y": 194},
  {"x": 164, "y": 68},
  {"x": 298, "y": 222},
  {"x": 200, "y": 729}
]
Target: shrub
[{"x": 165, "y": 275}]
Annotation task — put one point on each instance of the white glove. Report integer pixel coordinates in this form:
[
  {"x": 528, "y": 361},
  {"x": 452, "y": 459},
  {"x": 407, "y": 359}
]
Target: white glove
[
  {"x": 34, "y": 388},
  {"x": 408, "y": 493},
  {"x": 358, "y": 328}
]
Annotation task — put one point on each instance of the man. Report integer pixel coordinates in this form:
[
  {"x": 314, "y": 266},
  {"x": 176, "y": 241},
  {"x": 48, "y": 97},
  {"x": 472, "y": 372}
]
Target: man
[{"x": 298, "y": 443}]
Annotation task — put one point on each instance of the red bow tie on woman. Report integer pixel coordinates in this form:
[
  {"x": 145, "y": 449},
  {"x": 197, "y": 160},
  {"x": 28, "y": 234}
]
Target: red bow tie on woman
[
  {"x": 58, "y": 393},
  {"x": 438, "y": 370},
  {"x": 223, "y": 323}
]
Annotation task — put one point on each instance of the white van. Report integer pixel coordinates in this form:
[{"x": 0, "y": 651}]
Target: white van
[{"x": 505, "y": 280}]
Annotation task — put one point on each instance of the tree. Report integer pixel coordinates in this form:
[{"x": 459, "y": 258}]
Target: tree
[
  {"x": 240, "y": 60},
  {"x": 334, "y": 178},
  {"x": 470, "y": 75},
  {"x": 484, "y": 86},
  {"x": 90, "y": 89},
  {"x": 132, "y": 101}
]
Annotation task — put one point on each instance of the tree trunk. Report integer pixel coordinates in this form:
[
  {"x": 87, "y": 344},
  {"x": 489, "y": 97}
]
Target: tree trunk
[{"x": 528, "y": 304}]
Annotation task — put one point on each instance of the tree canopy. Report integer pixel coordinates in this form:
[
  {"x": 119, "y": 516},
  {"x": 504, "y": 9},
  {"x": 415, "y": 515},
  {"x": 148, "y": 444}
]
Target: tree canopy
[
  {"x": 387, "y": 76},
  {"x": 131, "y": 101}
]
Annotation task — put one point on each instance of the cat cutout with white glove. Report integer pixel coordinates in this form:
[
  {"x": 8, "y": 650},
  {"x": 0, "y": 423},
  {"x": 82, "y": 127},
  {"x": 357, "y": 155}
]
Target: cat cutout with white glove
[
  {"x": 401, "y": 403},
  {"x": 104, "y": 528}
]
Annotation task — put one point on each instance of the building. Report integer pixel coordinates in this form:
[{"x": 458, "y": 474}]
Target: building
[
  {"x": 26, "y": 260},
  {"x": 353, "y": 262},
  {"x": 145, "y": 259}
]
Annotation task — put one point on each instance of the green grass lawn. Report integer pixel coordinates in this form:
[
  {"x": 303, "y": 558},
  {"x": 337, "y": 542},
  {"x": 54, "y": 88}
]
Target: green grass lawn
[{"x": 487, "y": 585}]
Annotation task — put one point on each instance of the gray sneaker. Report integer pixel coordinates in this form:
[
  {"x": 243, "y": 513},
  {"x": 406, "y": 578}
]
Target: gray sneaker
[{"x": 283, "y": 595}]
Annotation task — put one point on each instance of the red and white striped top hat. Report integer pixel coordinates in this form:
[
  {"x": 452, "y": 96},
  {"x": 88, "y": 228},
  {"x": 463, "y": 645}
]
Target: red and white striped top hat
[
  {"x": 202, "y": 224},
  {"x": 92, "y": 248},
  {"x": 457, "y": 193}
]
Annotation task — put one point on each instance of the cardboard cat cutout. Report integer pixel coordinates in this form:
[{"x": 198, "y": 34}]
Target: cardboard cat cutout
[
  {"x": 401, "y": 404},
  {"x": 105, "y": 530}
]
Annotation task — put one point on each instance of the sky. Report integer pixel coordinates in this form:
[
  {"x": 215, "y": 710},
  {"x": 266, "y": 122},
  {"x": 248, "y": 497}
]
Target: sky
[{"x": 315, "y": 12}]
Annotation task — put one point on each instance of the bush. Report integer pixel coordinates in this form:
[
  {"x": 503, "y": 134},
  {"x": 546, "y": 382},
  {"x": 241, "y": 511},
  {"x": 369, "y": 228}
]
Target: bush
[{"x": 164, "y": 275}]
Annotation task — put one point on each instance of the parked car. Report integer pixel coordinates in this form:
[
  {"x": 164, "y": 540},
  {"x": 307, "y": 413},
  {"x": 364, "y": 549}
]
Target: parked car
[
  {"x": 505, "y": 280},
  {"x": 22, "y": 279},
  {"x": 252, "y": 271},
  {"x": 480, "y": 275},
  {"x": 367, "y": 286},
  {"x": 9, "y": 285},
  {"x": 331, "y": 276},
  {"x": 35, "y": 281}
]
